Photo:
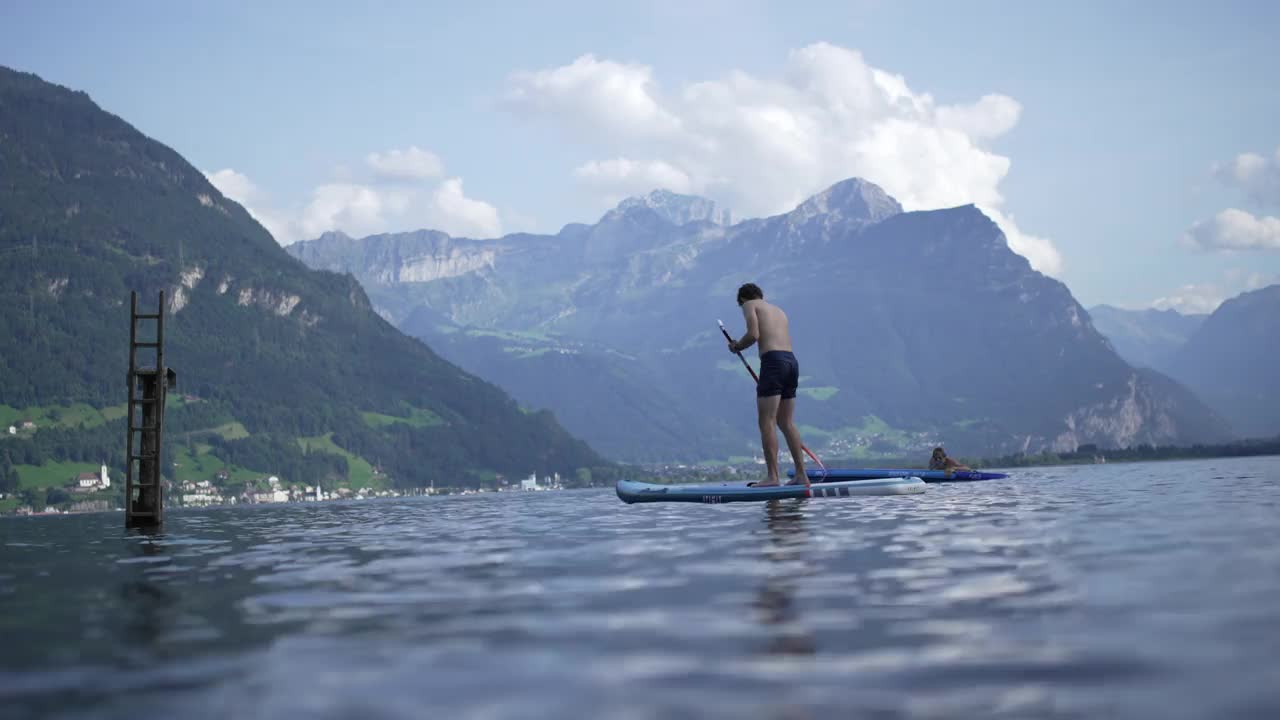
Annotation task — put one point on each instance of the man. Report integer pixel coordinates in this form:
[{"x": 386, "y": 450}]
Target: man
[{"x": 779, "y": 376}]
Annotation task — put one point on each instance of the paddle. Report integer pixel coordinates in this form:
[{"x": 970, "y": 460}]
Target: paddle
[
  {"x": 745, "y": 364},
  {"x": 751, "y": 370}
]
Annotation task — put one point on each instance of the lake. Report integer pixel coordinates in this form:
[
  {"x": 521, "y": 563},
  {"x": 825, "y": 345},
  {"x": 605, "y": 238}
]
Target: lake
[{"x": 1108, "y": 591}]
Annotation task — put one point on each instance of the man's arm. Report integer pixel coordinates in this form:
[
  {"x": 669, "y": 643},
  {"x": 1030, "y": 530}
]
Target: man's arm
[{"x": 753, "y": 328}]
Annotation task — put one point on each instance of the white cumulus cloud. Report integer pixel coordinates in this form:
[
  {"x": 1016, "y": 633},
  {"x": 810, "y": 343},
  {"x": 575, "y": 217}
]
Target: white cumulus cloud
[
  {"x": 992, "y": 116},
  {"x": 411, "y": 164},
  {"x": 354, "y": 209},
  {"x": 238, "y": 187},
  {"x": 366, "y": 209},
  {"x": 1235, "y": 230},
  {"x": 610, "y": 96},
  {"x": 234, "y": 185},
  {"x": 1257, "y": 176},
  {"x": 764, "y": 144},
  {"x": 458, "y": 214},
  {"x": 400, "y": 192},
  {"x": 1039, "y": 251},
  {"x": 1201, "y": 298},
  {"x": 632, "y": 177},
  {"x": 1196, "y": 299}
]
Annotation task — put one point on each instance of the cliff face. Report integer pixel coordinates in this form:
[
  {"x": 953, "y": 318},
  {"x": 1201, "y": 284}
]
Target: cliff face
[{"x": 407, "y": 258}]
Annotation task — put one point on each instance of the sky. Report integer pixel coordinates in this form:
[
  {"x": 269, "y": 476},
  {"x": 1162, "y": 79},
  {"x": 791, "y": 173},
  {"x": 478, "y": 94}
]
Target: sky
[{"x": 1131, "y": 150}]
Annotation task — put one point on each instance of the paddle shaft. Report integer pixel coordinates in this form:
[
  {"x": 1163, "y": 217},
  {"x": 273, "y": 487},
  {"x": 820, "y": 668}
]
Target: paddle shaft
[{"x": 747, "y": 365}]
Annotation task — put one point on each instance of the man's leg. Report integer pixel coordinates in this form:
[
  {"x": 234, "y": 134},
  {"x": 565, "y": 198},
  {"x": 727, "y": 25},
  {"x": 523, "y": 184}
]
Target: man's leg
[
  {"x": 767, "y": 408},
  {"x": 786, "y": 423}
]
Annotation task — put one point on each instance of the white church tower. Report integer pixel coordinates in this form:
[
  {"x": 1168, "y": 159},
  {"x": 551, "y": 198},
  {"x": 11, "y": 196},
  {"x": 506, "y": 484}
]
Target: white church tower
[{"x": 104, "y": 480}]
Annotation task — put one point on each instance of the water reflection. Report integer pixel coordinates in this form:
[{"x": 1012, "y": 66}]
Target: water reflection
[
  {"x": 150, "y": 608},
  {"x": 784, "y": 548},
  {"x": 1083, "y": 594}
]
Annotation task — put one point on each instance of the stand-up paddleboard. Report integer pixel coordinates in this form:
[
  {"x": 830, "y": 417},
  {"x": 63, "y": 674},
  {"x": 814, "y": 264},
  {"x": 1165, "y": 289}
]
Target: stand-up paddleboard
[
  {"x": 930, "y": 476},
  {"x": 630, "y": 491}
]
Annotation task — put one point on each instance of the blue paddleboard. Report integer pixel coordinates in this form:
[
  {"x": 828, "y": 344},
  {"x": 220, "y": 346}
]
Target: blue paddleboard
[
  {"x": 929, "y": 476},
  {"x": 630, "y": 491}
]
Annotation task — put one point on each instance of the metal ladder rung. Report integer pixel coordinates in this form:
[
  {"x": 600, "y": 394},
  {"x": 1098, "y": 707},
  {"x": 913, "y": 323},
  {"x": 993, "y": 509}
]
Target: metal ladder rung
[
  {"x": 146, "y": 345},
  {"x": 147, "y": 316},
  {"x": 144, "y": 456}
]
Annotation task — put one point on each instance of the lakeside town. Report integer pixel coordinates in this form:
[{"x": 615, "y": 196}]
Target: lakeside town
[{"x": 96, "y": 492}]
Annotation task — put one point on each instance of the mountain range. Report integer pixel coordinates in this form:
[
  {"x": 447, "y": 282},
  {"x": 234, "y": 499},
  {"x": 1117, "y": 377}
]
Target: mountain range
[
  {"x": 1227, "y": 358},
  {"x": 912, "y": 328},
  {"x": 1145, "y": 338},
  {"x": 1230, "y": 361},
  {"x": 283, "y": 370}
]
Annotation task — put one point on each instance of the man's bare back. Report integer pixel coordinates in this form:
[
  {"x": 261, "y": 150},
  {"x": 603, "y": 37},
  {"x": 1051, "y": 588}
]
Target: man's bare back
[{"x": 768, "y": 325}]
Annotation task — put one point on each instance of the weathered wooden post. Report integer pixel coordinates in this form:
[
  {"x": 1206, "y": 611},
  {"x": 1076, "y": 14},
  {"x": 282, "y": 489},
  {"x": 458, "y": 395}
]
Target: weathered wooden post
[{"x": 148, "y": 386}]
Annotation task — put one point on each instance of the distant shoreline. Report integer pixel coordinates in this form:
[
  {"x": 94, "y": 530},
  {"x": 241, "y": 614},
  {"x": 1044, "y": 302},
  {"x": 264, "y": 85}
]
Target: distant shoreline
[
  {"x": 1089, "y": 455},
  {"x": 1086, "y": 455}
]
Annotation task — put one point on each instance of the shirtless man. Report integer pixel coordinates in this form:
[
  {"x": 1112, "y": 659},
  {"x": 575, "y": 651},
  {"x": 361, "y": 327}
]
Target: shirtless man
[{"x": 779, "y": 376}]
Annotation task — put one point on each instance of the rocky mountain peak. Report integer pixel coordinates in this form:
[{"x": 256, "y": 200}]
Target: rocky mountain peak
[
  {"x": 851, "y": 199},
  {"x": 334, "y": 236},
  {"x": 676, "y": 208}
]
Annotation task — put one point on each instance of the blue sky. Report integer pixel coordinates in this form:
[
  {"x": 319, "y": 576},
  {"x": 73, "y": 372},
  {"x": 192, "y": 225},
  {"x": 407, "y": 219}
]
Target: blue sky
[{"x": 1108, "y": 144}]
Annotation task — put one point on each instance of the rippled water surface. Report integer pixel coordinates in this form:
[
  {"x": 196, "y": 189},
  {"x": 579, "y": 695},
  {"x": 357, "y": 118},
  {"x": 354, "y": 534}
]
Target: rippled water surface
[{"x": 1135, "y": 591}]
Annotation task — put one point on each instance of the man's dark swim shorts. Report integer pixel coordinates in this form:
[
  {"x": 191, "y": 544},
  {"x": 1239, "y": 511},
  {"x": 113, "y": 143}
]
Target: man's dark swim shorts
[{"x": 779, "y": 374}]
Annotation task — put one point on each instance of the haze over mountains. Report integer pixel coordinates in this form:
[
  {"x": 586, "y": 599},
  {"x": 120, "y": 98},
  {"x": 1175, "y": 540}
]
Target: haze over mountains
[
  {"x": 1228, "y": 358},
  {"x": 1231, "y": 361},
  {"x": 912, "y": 329},
  {"x": 1145, "y": 338},
  {"x": 288, "y": 371}
]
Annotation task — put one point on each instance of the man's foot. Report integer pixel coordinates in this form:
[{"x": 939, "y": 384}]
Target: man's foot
[
  {"x": 797, "y": 482},
  {"x": 763, "y": 483}
]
